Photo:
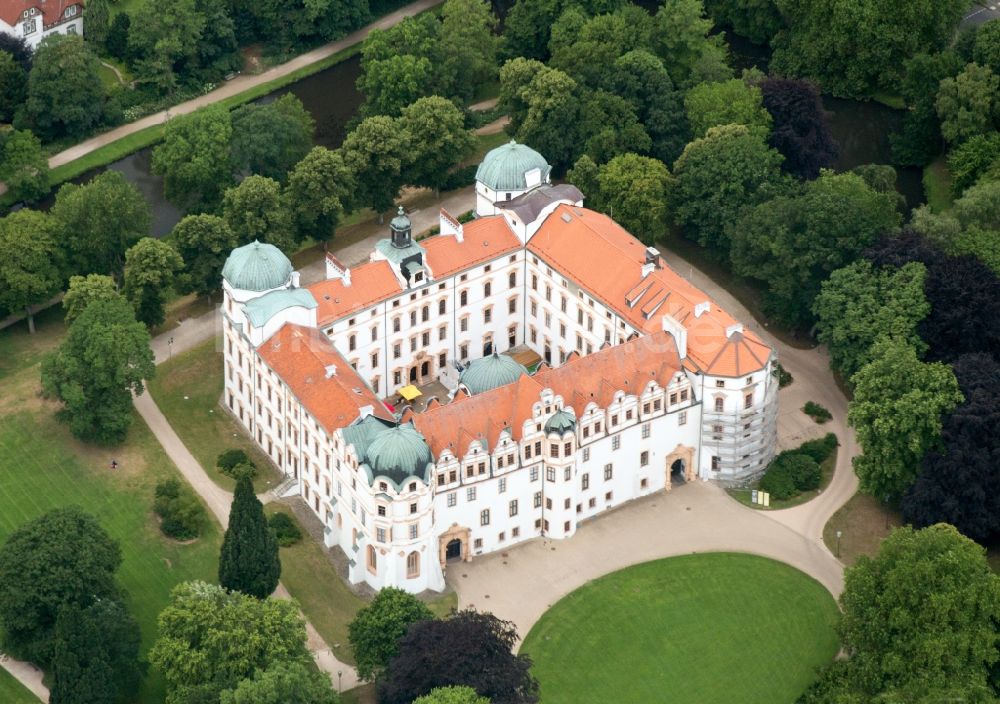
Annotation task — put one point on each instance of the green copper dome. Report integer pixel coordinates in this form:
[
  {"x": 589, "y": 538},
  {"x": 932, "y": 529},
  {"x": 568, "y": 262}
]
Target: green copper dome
[
  {"x": 490, "y": 372},
  {"x": 257, "y": 267},
  {"x": 398, "y": 452},
  {"x": 561, "y": 422},
  {"x": 503, "y": 168}
]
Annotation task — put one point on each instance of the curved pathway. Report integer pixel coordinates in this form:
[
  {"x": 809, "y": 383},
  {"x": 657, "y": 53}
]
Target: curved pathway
[{"x": 521, "y": 584}]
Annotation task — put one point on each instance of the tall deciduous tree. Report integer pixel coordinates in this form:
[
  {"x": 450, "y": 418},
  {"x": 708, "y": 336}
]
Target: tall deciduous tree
[
  {"x": 63, "y": 557},
  {"x": 65, "y": 94},
  {"x": 527, "y": 27},
  {"x": 29, "y": 267},
  {"x": 255, "y": 210},
  {"x": 920, "y": 141},
  {"x": 100, "y": 220},
  {"x": 375, "y": 631},
  {"x": 84, "y": 290},
  {"x": 515, "y": 76},
  {"x": 726, "y": 103},
  {"x": 270, "y": 139},
  {"x": 98, "y": 21},
  {"x": 553, "y": 109},
  {"x": 969, "y": 103},
  {"x": 682, "y": 39},
  {"x": 318, "y": 191},
  {"x": 437, "y": 138},
  {"x": 469, "y": 648},
  {"x": 194, "y": 158},
  {"x": 793, "y": 243},
  {"x": 283, "y": 683},
  {"x": 151, "y": 266},
  {"x": 634, "y": 190},
  {"x": 96, "y": 654},
  {"x": 959, "y": 482},
  {"x": 210, "y": 640},
  {"x": 757, "y": 20},
  {"x": 800, "y": 130},
  {"x": 165, "y": 38},
  {"x": 718, "y": 176},
  {"x": 104, "y": 358},
  {"x": 398, "y": 66},
  {"x": 375, "y": 152},
  {"x": 24, "y": 168},
  {"x": 896, "y": 412},
  {"x": 859, "y": 303},
  {"x": 204, "y": 243},
  {"x": 13, "y": 86},
  {"x": 249, "y": 561},
  {"x": 469, "y": 45},
  {"x": 452, "y": 695}
]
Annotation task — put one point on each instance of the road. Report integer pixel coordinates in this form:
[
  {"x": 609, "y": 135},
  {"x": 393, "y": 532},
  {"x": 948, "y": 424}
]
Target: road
[{"x": 981, "y": 13}]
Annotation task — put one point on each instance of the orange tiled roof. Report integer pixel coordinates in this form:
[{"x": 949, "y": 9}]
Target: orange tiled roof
[
  {"x": 302, "y": 356},
  {"x": 483, "y": 239},
  {"x": 593, "y": 250},
  {"x": 627, "y": 367},
  {"x": 370, "y": 283}
]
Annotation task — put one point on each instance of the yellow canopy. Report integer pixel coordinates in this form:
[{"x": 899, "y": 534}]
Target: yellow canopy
[{"x": 410, "y": 392}]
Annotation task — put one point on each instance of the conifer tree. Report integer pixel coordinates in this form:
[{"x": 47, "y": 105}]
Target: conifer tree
[{"x": 249, "y": 560}]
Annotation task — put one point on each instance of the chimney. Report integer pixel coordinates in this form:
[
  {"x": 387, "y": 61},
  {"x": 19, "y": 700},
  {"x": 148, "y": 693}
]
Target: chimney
[
  {"x": 295, "y": 279},
  {"x": 652, "y": 257},
  {"x": 648, "y": 269},
  {"x": 733, "y": 329},
  {"x": 449, "y": 225},
  {"x": 701, "y": 308},
  {"x": 331, "y": 370},
  {"x": 347, "y": 277}
]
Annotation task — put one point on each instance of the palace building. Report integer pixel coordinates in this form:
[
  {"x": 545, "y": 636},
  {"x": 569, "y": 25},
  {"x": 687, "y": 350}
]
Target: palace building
[{"x": 556, "y": 367}]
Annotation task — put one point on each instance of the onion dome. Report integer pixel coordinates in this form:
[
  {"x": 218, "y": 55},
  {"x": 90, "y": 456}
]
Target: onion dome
[
  {"x": 398, "y": 452},
  {"x": 257, "y": 267},
  {"x": 490, "y": 372},
  {"x": 560, "y": 423},
  {"x": 504, "y": 168}
]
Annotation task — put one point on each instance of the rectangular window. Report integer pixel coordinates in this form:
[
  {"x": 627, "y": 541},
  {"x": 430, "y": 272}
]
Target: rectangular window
[
  {"x": 645, "y": 430},
  {"x": 548, "y": 504},
  {"x": 716, "y": 463},
  {"x": 470, "y": 493},
  {"x": 502, "y": 537},
  {"x": 515, "y": 532},
  {"x": 567, "y": 449},
  {"x": 452, "y": 499},
  {"x": 502, "y": 485},
  {"x": 374, "y": 359},
  {"x": 380, "y": 535},
  {"x": 682, "y": 418},
  {"x": 718, "y": 405},
  {"x": 478, "y": 543},
  {"x": 538, "y": 499},
  {"x": 586, "y": 454},
  {"x": 720, "y": 384},
  {"x": 553, "y": 449},
  {"x": 585, "y": 482},
  {"x": 512, "y": 508},
  {"x": 512, "y": 305},
  {"x": 748, "y": 401},
  {"x": 463, "y": 324},
  {"x": 643, "y": 458},
  {"x": 550, "y": 474},
  {"x": 413, "y": 531},
  {"x": 380, "y": 510},
  {"x": 533, "y": 474},
  {"x": 484, "y": 517},
  {"x": 616, "y": 442},
  {"x": 608, "y": 472},
  {"x": 592, "y": 503}
]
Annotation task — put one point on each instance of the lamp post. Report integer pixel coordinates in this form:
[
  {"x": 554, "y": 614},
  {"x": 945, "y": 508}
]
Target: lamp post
[
  {"x": 170, "y": 347},
  {"x": 340, "y": 678},
  {"x": 839, "y": 533}
]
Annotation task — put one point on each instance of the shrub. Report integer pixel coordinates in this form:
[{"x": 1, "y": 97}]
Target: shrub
[
  {"x": 783, "y": 375},
  {"x": 234, "y": 462},
  {"x": 777, "y": 482},
  {"x": 181, "y": 514},
  {"x": 816, "y": 412},
  {"x": 820, "y": 448},
  {"x": 286, "y": 530},
  {"x": 790, "y": 474}
]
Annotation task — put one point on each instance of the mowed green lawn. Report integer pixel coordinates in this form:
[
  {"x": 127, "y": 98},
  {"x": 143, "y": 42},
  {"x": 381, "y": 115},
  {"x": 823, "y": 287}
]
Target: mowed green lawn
[
  {"x": 710, "y": 628},
  {"x": 13, "y": 692},
  {"x": 42, "y": 467}
]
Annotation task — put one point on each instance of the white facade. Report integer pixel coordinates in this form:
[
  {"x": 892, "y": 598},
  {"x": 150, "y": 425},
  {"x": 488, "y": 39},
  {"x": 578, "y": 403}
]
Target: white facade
[{"x": 35, "y": 21}]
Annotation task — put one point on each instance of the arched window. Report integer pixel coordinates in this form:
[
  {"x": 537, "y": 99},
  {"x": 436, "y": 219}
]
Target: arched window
[
  {"x": 718, "y": 405},
  {"x": 372, "y": 560},
  {"x": 413, "y": 565}
]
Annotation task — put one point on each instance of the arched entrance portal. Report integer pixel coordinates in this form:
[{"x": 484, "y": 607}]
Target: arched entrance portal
[
  {"x": 453, "y": 551},
  {"x": 677, "y": 473},
  {"x": 453, "y": 545},
  {"x": 679, "y": 467}
]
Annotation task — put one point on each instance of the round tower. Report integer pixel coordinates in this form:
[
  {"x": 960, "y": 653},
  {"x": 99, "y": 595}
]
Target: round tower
[{"x": 507, "y": 172}]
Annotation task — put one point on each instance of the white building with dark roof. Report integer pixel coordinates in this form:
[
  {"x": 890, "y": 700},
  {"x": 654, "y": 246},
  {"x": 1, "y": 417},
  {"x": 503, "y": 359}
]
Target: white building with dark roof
[{"x": 638, "y": 379}]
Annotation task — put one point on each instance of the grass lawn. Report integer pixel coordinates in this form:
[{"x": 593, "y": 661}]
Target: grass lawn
[
  {"x": 864, "y": 522},
  {"x": 365, "y": 694},
  {"x": 19, "y": 350},
  {"x": 716, "y": 627},
  {"x": 826, "y": 467},
  {"x": 13, "y": 692},
  {"x": 187, "y": 388},
  {"x": 42, "y": 467},
  {"x": 937, "y": 185}
]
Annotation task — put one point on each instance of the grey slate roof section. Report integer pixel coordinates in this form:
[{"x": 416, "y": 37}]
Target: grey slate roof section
[
  {"x": 397, "y": 255},
  {"x": 528, "y": 205},
  {"x": 260, "y": 310}
]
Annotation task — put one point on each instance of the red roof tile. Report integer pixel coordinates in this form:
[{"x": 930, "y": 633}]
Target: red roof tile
[
  {"x": 483, "y": 239},
  {"x": 370, "y": 283}
]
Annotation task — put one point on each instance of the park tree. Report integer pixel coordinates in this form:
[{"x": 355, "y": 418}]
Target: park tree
[
  {"x": 635, "y": 190},
  {"x": 117, "y": 44},
  {"x": 437, "y": 138},
  {"x": 971, "y": 227},
  {"x": 84, "y": 290},
  {"x": 270, "y": 139},
  {"x": 376, "y": 629},
  {"x": 584, "y": 47},
  {"x": 211, "y": 639},
  {"x": 468, "y": 649},
  {"x": 959, "y": 482},
  {"x": 920, "y": 141},
  {"x": 29, "y": 267},
  {"x": 151, "y": 267},
  {"x": 969, "y": 103},
  {"x": 18, "y": 48},
  {"x": 896, "y": 413},
  {"x": 860, "y": 303},
  {"x": 731, "y": 102},
  {"x": 375, "y": 152},
  {"x": 986, "y": 49},
  {"x": 98, "y": 21},
  {"x": 970, "y": 160},
  {"x": 104, "y": 359},
  {"x": 515, "y": 76},
  {"x": 608, "y": 126},
  {"x": 469, "y": 45},
  {"x": 255, "y": 210},
  {"x": 792, "y": 243},
  {"x": 24, "y": 167},
  {"x": 682, "y": 38},
  {"x": 204, "y": 242},
  {"x": 99, "y": 221},
  {"x": 283, "y": 683},
  {"x": 13, "y": 86},
  {"x": 757, "y": 20},
  {"x": 527, "y": 27},
  {"x": 398, "y": 66},
  {"x": 249, "y": 561},
  {"x": 165, "y": 39},
  {"x": 193, "y": 158},
  {"x": 718, "y": 176},
  {"x": 800, "y": 130},
  {"x": 318, "y": 192},
  {"x": 218, "y": 51},
  {"x": 65, "y": 94},
  {"x": 451, "y": 695},
  {"x": 854, "y": 48},
  {"x": 640, "y": 78},
  {"x": 553, "y": 109},
  {"x": 63, "y": 557},
  {"x": 96, "y": 653},
  {"x": 922, "y": 614}
]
